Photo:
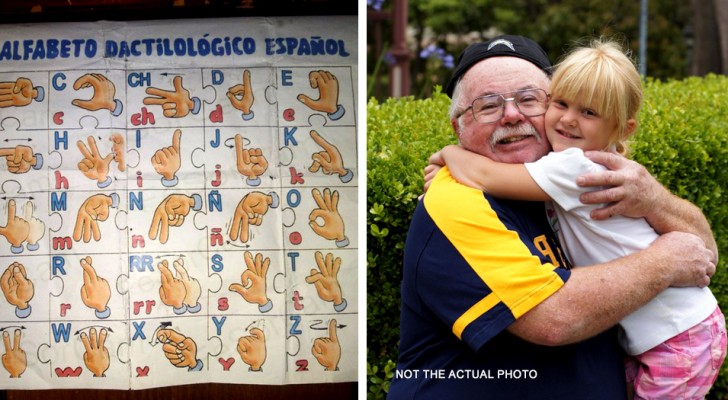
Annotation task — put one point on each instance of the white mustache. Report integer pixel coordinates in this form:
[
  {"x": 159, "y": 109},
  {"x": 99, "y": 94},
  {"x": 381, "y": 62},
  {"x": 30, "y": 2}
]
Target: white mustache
[{"x": 503, "y": 132}]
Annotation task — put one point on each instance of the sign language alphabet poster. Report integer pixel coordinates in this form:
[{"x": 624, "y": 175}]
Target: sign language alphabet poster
[{"x": 178, "y": 203}]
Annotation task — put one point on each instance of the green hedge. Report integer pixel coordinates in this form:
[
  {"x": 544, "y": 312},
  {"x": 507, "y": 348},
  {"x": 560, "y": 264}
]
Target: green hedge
[
  {"x": 682, "y": 141},
  {"x": 401, "y": 135}
]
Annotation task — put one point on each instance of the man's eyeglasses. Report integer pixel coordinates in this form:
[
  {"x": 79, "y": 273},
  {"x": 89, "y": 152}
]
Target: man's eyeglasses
[{"x": 489, "y": 109}]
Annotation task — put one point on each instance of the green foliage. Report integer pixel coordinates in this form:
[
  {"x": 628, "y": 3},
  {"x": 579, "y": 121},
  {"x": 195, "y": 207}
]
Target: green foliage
[
  {"x": 401, "y": 136},
  {"x": 579, "y": 20},
  {"x": 378, "y": 381},
  {"x": 556, "y": 25},
  {"x": 682, "y": 141}
]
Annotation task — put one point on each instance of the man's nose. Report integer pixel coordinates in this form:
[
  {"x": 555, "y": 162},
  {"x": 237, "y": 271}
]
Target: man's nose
[{"x": 511, "y": 113}]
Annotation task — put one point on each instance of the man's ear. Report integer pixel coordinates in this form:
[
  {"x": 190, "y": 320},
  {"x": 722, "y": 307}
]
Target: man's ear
[{"x": 455, "y": 126}]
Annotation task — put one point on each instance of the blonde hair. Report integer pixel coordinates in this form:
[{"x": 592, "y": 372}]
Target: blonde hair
[{"x": 603, "y": 75}]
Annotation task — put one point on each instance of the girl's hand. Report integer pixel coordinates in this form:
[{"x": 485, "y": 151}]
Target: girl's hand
[
  {"x": 437, "y": 159},
  {"x": 430, "y": 171}
]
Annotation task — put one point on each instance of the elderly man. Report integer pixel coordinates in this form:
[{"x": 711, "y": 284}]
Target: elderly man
[{"x": 490, "y": 307}]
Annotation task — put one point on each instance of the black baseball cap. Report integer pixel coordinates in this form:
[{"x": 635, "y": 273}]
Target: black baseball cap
[{"x": 500, "y": 46}]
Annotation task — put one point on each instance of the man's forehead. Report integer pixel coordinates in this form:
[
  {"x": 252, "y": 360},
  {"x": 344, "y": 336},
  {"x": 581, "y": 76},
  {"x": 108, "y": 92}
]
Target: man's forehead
[{"x": 503, "y": 75}]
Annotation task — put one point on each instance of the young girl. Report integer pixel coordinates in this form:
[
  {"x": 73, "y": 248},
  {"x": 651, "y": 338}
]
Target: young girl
[{"x": 677, "y": 341}]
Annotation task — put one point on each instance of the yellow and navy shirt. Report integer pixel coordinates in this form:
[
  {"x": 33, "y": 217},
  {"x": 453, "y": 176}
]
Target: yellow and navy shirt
[{"x": 474, "y": 264}]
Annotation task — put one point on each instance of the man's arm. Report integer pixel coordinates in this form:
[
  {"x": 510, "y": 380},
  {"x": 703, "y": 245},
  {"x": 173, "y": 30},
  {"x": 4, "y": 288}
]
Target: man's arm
[
  {"x": 596, "y": 298},
  {"x": 671, "y": 213},
  {"x": 635, "y": 193}
]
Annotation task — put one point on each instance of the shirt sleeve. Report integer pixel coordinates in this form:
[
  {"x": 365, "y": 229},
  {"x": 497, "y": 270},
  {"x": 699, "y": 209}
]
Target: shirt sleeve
[{"x": 556, "y": 174}]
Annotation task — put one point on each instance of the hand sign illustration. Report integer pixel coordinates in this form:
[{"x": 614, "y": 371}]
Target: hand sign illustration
[
  {"x": 15, "y": 230},
  {"x": 328, "y": 88},
  {"x": 17, "y": 288},
  {"x": 172, "y": 212},
  {"x": 251, "y": 162},
  {"x": 332, "y": 226},
  {"x": 96, "y": 357},
  {"x": 95, "y": 292},
  {"x": 176, "y": 103},
  {"x": 19, "y": 93},
  {"x": 181, "y": 292},
  {"x": 93, "y": 165},
  {"x": 180, "y": 350},
  {"x": 14, "y": 359},
  {"x": 252, "y": 349},
  {"x": 118, "y": 150},
  {"x": 172, "y": 290},
  {"x": 166, "y": 161},
  {"x": 329, "y": 161},
  {"x": 250, "y": 211},
  {"x": 327, "y": 350},
  {"x": 103, "y": 96},
  {"x": 21, "y": 158},
  {"x": 241, "y": 96},
  {"x": 95, "y": 208},
  {"x": 326, "y": 280},
  {"x": 36, "y": 227},
  {"x": 253, "y": 287}
]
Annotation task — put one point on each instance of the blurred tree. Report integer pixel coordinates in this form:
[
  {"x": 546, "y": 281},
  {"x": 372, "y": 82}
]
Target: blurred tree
[
  {"x": 557, "y": 26},
  {"x": 710, "y": 44},
  {"x": 379, "y": 39},
  {"x": 721, "y": 15}
]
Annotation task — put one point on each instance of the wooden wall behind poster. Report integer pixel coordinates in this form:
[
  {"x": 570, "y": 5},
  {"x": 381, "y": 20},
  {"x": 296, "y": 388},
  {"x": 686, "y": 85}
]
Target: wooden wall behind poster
[
  {"x": 212, "y": 391},
  {"x": 30, "y": 11}
]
